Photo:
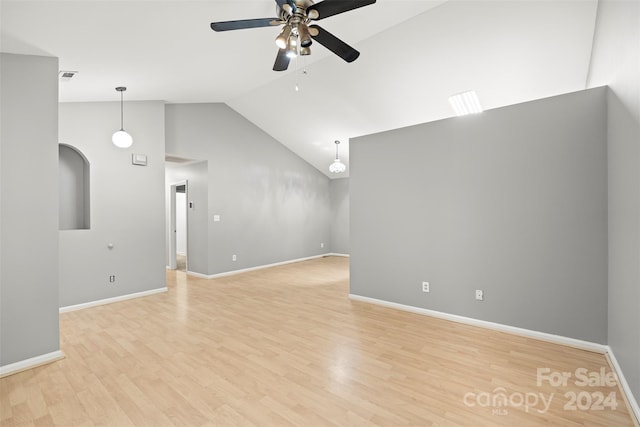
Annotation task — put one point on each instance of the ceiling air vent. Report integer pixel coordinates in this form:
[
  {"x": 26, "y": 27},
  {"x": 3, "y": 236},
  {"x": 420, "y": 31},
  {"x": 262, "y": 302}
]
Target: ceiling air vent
[{"x": 65, "y": 76}]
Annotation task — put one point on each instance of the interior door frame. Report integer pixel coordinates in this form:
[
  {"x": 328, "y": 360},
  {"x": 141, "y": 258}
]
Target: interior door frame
[{"x": 173, "y": 245}]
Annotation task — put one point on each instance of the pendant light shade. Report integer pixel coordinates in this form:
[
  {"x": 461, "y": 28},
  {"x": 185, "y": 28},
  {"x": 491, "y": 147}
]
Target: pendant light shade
[
  {"x": 121, "y": 138},
  {"x": 305, "y": 36},
  {"x": 337, "y": 166},
  {"x": 292, "y": 46},
  {"x": 283, "y": 37}
]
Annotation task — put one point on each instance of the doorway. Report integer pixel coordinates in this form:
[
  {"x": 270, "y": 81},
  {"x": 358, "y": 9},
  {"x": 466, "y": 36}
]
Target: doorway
[{"x": 178, "y": 256}]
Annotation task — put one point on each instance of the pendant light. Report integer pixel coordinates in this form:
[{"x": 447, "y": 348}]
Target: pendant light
[
  {"x": 337, "y": 166},
  {"x": 121, "y": 138}
]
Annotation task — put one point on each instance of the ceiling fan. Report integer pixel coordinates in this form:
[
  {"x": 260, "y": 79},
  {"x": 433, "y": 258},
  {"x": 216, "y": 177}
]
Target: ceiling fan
[{"x": 297, "y": 34}]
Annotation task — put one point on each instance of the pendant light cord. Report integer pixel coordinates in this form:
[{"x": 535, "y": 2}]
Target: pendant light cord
[{"x": 121, "y": 111}]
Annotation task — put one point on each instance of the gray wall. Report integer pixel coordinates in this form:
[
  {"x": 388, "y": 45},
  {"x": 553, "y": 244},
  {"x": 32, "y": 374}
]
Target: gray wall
[
  {"x": 339, "y": 193},
  {"x": 197, "y": 175},
  {"x": 511, "y": 201},
  {"x": 28, "y": 207},
  {"x": 273, "y": 205},
  {"x": 616, "y": 62},
  {"x": 127, "y": 203}
]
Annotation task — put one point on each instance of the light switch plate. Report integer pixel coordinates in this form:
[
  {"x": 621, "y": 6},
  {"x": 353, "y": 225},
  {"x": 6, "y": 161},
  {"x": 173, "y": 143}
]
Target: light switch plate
[{"x": 139, "y": 159}]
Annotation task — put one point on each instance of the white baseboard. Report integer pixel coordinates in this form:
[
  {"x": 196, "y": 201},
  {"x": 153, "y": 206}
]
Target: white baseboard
[
  {"x": 557, "y": 339},
  {"x": 624, "y": 385},
  {"x": 259, "y": 267},
  {"x": 199, "y": 275},
  {"x": 335, "y": 254},
  {"x": 33, "y": 362},
  {"x": 111, "y": 300}
]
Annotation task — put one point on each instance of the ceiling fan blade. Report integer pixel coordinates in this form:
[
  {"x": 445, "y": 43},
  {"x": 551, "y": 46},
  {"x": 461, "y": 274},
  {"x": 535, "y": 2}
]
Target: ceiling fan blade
[
  {"x": 291, "y": 6},
  {"x": 282, "y": 61},
  {"x": 333, "y": 43},
  {"x": 328, "y": 8},
  {"x": 244, "y": 23}
]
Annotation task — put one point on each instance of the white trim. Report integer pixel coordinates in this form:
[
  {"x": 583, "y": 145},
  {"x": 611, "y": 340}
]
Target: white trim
[
  {"x": 558, "y": 339},
  {"x": 112, "y": 300},
  {"x": 259, "y": 267},
  {"x": 335, "y": 254},
  {"x": 624, "y": 385},
  {"x": 199, "y": 275},
  {"x": 33, "y": 362}
]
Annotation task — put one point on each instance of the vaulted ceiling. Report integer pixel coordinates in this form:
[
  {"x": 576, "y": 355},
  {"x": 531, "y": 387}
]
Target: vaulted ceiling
[{"x": 414, "y": 55}]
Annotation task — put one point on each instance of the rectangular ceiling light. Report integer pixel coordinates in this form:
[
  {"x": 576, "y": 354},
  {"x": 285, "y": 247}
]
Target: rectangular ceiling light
[{"x": 465, "y": 103}]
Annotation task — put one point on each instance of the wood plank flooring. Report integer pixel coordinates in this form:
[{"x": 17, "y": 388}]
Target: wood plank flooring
[{"x": 285, "y": 346}]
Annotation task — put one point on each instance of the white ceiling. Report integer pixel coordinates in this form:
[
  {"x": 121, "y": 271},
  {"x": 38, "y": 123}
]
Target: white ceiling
[{"x": 414, "y": 55}]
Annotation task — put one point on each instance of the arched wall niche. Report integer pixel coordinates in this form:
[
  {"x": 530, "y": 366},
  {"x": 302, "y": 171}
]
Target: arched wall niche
[{"x": 74, "y": 189}]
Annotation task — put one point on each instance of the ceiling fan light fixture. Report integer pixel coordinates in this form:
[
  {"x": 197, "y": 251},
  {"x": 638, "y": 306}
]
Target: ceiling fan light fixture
[
  {"x": 292, "y": 46},
  {"x": 283, "y": 37},
  {"x": 337, "y": 166},
  {"x": 304, "y": 51},
  {"x": 296, "y": 16},
  {"x": 303, "y": 33}
]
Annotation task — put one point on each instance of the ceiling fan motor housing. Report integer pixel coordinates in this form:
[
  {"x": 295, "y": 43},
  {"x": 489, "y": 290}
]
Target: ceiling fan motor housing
[{"x": 298, "y": 19}]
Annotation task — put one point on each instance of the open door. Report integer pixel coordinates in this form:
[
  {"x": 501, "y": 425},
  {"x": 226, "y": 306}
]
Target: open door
[{"x": 178, "y": 257}]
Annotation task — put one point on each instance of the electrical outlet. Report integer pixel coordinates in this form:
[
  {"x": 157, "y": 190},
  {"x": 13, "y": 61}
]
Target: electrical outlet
[
  {"x": 234, "y": 257},
  {"x": 425, "y": 286},
  {"x": 112, "y": 279},
  {"x": 321, "y": 245},
  {"x": 479, "y": 295}
]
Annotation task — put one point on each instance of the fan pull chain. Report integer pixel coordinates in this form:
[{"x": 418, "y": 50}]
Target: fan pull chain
[{"x": 298, "y": 73}]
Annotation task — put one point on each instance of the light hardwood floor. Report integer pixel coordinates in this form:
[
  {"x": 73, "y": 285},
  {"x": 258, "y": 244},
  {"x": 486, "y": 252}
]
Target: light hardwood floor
[
  {"x": 181, "y": 262},
  {"x": 285, "y": 346}
]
